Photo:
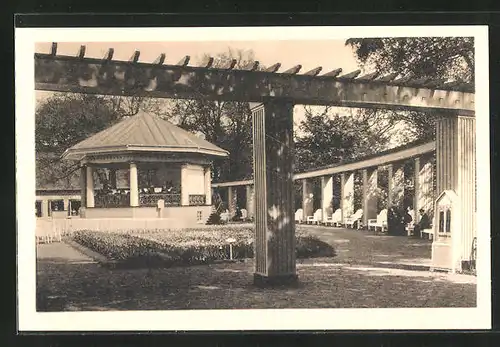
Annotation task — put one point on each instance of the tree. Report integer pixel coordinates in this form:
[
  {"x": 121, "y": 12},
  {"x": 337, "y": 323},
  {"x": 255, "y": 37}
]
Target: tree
[
  {"x": 225, "y": 124},
  {"x": 326, "y": 138},
  {"x": 447, "y": 58},
  {"x": 64, "y": 119}
]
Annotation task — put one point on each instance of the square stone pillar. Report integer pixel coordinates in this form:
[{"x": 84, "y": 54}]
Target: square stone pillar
[
  {"x": 208, "y": 186},
  {"x": 90, "y": 186},
  {"x": 456, "y": 171},
  {"x": 307, "y": 199},
  {"x": 83, "y": 186},
  {"x": 134, "y": 185},
  {"x": 347, "y": 194},
  {"x": 370, "y": 194},
  {"x": 326, "y": 196},
  {"x": 424, "y": 189},
  {"x": 184, "y": 184},
  {"x": 396, "y": 189},
  {"x": 273, "y": 150},
  {"x": 250, "y": 206},
  {"x": 66, "y": 204},
  {"x": 231, "y": 201}
]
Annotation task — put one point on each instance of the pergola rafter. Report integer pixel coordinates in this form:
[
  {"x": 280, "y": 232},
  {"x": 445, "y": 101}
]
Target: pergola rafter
[{"x": 107, "y": 76}]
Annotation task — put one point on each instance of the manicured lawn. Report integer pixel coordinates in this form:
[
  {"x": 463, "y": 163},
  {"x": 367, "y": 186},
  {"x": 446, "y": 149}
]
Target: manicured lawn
[{"x": 75, "y": 283}]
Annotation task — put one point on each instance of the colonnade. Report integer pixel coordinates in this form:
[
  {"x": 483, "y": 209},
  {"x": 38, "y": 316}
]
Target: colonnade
[{"x": 423, "y": 198}]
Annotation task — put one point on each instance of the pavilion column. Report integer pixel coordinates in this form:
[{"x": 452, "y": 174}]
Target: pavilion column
[
  {"x": 112, "y": 178},
  {"x": 370, "y": 194},
  {"x": 347, "y": 194},
  {"x": 232, "y": 198},
  {"x": 90, "y": 186},
  {"x": 83, "y": 186},
  {"x": 456, "y": 170},
  {"x": 65, "y": 204},
  {"x": 250, "y": 205},
  {"x": 326, "y": 196},
  {"x": 274, "y": 206},
  {"x": 423, "y": 194},
  {"x": 184, "y": 184},
  {"x": 134, "y": 185},
  {"x": 396, "y": 190},
  {"x": 208, "y": 186},
  {"x": 45, "y": 208},
  {"x": 307, "y": 199}
]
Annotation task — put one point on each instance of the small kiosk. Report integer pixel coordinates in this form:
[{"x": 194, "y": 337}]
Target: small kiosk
[{"x": 445, "y": 225}]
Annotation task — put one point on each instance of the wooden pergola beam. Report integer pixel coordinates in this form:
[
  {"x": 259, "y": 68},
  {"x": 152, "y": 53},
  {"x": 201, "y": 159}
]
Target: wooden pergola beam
[{"x": 111, "y": 77}]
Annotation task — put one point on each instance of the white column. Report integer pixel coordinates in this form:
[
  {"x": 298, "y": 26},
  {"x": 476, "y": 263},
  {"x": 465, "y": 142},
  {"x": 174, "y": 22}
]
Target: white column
[
  {"x": 307, "y": 199},
  {"x": 424, "y": 190},
  {"x": 231, "y": 201},
  {"x": 347, "y": 195},
  {"x": 370, "y": 194},
  {"x": 326, "y": 196},
  {"x": 134, "y": 185},
  {"x": 45, "y": 208},
  {"x": 250, "y": 200},
  {"x": 184, "y": 185},
  {"x": 208, "y": 186},
  {"x": 396, "y": 189},
  {"x": 90, "y": 186},
  {"x": 66, "y": 204}
]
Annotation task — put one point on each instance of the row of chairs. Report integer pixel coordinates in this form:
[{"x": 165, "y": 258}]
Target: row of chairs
[
  {"x": 352, "y": 221},
  {"x": 375, "y": 224}
]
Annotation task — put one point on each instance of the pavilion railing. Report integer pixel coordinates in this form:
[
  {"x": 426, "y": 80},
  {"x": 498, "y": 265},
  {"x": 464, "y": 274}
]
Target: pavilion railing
[
  {"x": 197, "y": 199},
  {"x": 151, "y": 199},
  {"x": 110, "y": 200}
]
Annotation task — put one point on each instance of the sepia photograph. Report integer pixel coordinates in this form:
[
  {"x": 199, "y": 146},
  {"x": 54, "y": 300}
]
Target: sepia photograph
[{"x": 253, "y": 178}]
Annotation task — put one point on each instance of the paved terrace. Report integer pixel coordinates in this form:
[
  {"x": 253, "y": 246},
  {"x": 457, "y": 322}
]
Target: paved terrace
[{"x": 352, "y": 279}]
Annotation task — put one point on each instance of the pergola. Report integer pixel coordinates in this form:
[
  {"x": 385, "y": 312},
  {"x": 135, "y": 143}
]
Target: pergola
[
  {"x": 178, "y": 163},
  {"x": 277, "y": 93}
]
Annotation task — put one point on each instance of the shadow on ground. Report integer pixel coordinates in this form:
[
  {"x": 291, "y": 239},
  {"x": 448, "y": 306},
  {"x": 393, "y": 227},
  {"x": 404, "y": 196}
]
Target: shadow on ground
[{"x": 89, "y": 287}]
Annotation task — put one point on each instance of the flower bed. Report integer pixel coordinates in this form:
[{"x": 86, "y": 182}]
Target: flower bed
[{"x": 186, "y": 247}]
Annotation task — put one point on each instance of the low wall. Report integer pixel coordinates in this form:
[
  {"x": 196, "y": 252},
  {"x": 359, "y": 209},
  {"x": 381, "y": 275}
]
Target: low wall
[{"x": 120, "y": 219}]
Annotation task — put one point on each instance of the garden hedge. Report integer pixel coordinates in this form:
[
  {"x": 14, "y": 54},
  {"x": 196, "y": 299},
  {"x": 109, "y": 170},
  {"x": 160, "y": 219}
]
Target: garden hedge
[{"x": 185, "y": 247}]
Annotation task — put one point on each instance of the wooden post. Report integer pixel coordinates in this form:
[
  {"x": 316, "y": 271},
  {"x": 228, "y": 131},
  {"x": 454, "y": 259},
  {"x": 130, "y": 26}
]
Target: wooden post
[{"x": 273, "y": 179}]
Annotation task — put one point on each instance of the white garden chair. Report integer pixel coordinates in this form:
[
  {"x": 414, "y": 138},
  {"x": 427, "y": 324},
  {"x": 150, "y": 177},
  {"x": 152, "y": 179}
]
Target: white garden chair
[
  {"x": 244, "y": 214},
  {"x": 379, "y": 222},
  {"x": 299, "y": 215},
  {"x": 335, "y": 219},
  {"x": 356, "y": 217},
  {"x": 316, "y": 217}
]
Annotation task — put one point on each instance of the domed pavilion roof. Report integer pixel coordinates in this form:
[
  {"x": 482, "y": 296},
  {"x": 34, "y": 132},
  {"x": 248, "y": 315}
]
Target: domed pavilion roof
[{"x": 143, "y": 132}]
